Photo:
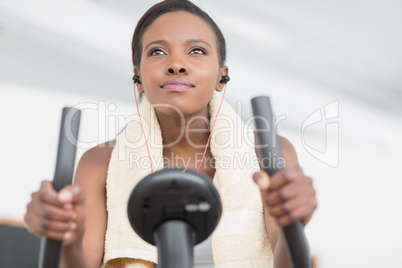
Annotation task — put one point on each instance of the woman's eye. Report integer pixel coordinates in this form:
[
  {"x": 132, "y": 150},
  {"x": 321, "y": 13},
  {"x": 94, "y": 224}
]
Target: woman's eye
[
  {"x": 156, "y": 52},
  {"x": 197, "y": 51}
]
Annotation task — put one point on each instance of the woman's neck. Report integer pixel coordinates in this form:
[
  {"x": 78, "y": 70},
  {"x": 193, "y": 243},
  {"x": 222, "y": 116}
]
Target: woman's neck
[{"x": 185, "y": 132}]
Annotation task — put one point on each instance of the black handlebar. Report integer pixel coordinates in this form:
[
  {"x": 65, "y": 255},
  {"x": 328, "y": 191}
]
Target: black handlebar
[
  {"x": 50, "y": 250},
  {"x": 270, "y": 157}
]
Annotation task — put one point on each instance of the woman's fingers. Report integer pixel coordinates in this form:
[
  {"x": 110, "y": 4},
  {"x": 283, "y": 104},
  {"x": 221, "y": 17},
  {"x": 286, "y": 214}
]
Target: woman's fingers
[
  {"x": 49, "y": 227},
  {"x": 303, "y": 212},
  {"x": 73, "y": 198},
  {"x": 71, "y": 194},
  {"x": 285, "y": 176},
  {"x": 48, "y": 219},
  {"x": 289, "y": 191},
  {"x": 287, "y": 207},
  {"x": 54, "y": 235},
  {"x": 46, "y": 194},
  {"x": 289, "y": 195},
  {"x": 262, "y": 180},
  {"x": 56, "y": 215}
]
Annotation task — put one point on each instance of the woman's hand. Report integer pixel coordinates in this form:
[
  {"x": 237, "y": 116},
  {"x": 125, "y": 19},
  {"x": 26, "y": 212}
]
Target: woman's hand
[
  {"x": 289, "y": 195},
  {"x": 57, "y": 215}
]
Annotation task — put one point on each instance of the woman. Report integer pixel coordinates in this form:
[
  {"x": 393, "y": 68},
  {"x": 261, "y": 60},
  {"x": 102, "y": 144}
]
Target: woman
[{"x": 178, "y": 56}]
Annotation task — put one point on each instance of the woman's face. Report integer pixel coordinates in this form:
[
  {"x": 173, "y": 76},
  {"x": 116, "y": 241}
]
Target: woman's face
[{"x": 179, "y": 63}]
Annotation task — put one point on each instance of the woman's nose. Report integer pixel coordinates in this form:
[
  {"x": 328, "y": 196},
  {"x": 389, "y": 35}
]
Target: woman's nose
[
  {"x": 177, "y": 70},
  {"x": 176, "y": 66}
]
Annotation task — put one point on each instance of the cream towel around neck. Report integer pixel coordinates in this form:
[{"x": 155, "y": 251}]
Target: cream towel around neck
[{"x": 240, "y": 240}]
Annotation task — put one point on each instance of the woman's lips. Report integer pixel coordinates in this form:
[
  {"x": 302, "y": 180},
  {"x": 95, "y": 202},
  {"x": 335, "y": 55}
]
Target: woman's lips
[{"x": 176, "y": 84}]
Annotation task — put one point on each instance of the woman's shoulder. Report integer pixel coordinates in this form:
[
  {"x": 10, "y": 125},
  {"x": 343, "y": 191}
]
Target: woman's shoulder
[
  {"x": 100, "y": 154},
  {"x": 94, "y": 162}
]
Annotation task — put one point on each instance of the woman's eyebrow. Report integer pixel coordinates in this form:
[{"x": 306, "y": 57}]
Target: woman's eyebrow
[
  {"x": 198, "y": 41},
  {"x": 159, "y": 42}
]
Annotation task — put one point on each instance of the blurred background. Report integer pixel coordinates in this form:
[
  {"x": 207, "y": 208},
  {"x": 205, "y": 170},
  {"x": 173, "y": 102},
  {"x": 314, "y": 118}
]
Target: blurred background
[{"x": 333, "y": 70}]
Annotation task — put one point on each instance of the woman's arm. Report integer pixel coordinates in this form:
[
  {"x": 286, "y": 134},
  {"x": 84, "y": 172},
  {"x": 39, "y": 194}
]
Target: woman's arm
[
  {"x": 77, "y": 214},
  {"x": 288, "y": 196},
  {"x": 87, "y": 250}
]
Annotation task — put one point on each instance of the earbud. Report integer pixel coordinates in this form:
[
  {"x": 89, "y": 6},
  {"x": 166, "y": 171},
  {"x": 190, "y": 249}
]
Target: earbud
[
  {"x": 225, "y": 79},
  {"x": 136, "y": 79}
]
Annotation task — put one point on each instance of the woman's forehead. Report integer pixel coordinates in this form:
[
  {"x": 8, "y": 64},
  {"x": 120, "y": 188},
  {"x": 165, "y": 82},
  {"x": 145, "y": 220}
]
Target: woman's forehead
[{"x": 179, "y": 26}]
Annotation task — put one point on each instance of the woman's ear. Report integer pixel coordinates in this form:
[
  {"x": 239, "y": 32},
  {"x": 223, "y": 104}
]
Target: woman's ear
[
  {"x": 224, "y": 71},
  {"x": 137, "y": 81}
]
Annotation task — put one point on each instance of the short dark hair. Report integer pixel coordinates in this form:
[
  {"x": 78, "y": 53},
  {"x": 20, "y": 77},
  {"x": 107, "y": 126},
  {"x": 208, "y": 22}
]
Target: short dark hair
[{"x": 173, "y": 6}]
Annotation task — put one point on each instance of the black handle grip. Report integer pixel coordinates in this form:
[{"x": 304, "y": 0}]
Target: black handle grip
[
  {"x": 270, "y": 157},
  {"x": 50, "y": 250}
]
